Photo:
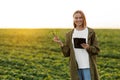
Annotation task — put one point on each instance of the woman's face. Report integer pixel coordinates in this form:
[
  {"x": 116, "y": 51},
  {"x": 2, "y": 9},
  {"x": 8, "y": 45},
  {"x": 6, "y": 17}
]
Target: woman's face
[{"x": 78, "y": 19}]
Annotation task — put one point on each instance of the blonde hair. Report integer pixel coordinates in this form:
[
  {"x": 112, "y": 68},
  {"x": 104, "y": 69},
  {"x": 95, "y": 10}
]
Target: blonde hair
[{"x": 84, "y": 19}]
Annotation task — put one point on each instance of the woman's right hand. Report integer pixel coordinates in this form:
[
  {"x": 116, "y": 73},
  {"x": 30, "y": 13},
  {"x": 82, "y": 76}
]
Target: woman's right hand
[{"x": 56, "y": 39}]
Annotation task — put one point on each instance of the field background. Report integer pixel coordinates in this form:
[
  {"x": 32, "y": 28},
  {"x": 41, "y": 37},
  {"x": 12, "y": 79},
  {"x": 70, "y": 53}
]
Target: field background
[{"x": 30, "y": 54}]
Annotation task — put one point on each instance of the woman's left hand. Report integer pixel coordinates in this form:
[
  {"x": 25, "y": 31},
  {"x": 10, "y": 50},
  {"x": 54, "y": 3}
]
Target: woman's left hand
[{"x": 85, "y": 46}]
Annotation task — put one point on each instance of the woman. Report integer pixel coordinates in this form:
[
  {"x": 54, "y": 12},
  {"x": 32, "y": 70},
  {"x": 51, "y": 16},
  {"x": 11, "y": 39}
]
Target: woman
[{"x": 82, "y": 59}]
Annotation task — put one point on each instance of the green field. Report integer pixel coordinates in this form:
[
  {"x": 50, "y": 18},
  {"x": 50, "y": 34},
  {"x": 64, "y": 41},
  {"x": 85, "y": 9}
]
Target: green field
[{"x": 30, "y": 54}]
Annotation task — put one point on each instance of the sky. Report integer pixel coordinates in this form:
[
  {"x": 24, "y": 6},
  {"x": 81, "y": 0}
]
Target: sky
[{"x": 58, "y": 13}]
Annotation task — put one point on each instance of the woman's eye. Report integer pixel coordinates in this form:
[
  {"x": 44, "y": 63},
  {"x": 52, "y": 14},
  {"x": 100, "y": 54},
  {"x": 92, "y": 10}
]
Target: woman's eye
[{"x": 78, "y": 17}]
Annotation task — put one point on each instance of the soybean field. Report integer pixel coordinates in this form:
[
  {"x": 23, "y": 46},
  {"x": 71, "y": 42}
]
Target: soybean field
[{"x": 31, "y": 54}]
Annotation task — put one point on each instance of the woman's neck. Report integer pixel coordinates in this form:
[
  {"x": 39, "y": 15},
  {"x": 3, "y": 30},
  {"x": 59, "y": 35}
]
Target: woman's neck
[{"x": 80, "y": 27}]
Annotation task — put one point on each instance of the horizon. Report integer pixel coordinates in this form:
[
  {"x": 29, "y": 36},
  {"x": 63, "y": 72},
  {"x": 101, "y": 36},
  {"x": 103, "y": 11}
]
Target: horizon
[{"x": 58, "y": 28}]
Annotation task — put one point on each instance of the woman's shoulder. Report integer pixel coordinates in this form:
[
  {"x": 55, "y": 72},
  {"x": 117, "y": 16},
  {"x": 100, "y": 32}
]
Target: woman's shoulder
[
  {"x": 70, "y": 32},
  {"x": 90, "y": 29}
]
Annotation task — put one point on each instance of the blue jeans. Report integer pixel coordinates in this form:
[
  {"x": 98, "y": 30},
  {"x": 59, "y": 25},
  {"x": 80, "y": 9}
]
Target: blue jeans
[{"x": 84, "y": 74}]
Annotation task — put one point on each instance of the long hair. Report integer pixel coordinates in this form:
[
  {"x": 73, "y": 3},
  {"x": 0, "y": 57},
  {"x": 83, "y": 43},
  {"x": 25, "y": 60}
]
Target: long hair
[{"x": 84, "y": 19}]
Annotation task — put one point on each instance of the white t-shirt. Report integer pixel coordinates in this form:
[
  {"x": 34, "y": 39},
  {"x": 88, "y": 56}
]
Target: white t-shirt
[{"x": 81, "y": 55}]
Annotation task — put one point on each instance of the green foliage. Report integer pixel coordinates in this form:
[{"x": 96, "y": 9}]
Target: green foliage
[{"x": 30, "y": 54}]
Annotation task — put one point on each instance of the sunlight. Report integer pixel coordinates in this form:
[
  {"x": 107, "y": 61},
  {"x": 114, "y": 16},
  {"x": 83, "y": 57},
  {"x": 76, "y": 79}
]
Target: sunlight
[{"x": 58, "y": 13}]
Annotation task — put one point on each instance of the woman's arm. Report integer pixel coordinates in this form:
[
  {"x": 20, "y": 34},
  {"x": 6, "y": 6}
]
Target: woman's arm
[
  {"x": 93, "y": 47},
  {"x": 64, "y": 47}
]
